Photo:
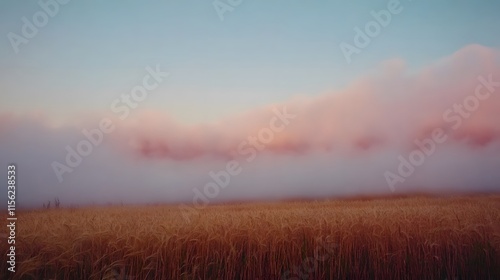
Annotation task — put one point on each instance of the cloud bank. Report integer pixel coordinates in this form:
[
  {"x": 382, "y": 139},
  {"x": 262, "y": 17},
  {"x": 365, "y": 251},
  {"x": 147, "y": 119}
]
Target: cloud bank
[{"x": 337, "y": 144}]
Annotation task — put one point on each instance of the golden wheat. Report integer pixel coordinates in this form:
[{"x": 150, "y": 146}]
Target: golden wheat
[{"x": 403, "y": 238}]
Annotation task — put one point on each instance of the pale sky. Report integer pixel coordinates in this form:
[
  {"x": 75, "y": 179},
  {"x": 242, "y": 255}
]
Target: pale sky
[{"x": 91, "y": 52}]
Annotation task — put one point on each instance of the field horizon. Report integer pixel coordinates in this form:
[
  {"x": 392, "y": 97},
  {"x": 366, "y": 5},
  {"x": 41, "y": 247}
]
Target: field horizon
[{"x": 333, "y": 198}]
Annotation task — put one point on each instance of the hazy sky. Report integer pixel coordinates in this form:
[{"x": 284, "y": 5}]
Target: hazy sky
[
  {"x": 90, "y": 52},
  {"x": 233, "y": 79}
]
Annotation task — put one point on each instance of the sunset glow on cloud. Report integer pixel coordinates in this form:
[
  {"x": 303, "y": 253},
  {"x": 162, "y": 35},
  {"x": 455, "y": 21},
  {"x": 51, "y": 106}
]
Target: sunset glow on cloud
[
  {"x": 386, "y": 111},
  {"x": 364, "y": 127}
]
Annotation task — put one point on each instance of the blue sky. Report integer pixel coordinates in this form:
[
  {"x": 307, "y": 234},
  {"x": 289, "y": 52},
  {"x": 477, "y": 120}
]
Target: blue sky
[{"x": 93, "y": 51}]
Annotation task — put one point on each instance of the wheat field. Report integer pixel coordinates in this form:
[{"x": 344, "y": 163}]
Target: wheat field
[{"x": 396, "y": 238}]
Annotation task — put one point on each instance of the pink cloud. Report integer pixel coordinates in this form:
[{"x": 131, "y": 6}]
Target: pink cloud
[
  {"x": 341, "y": 142},
  {"x": 387, "y": 110}
]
